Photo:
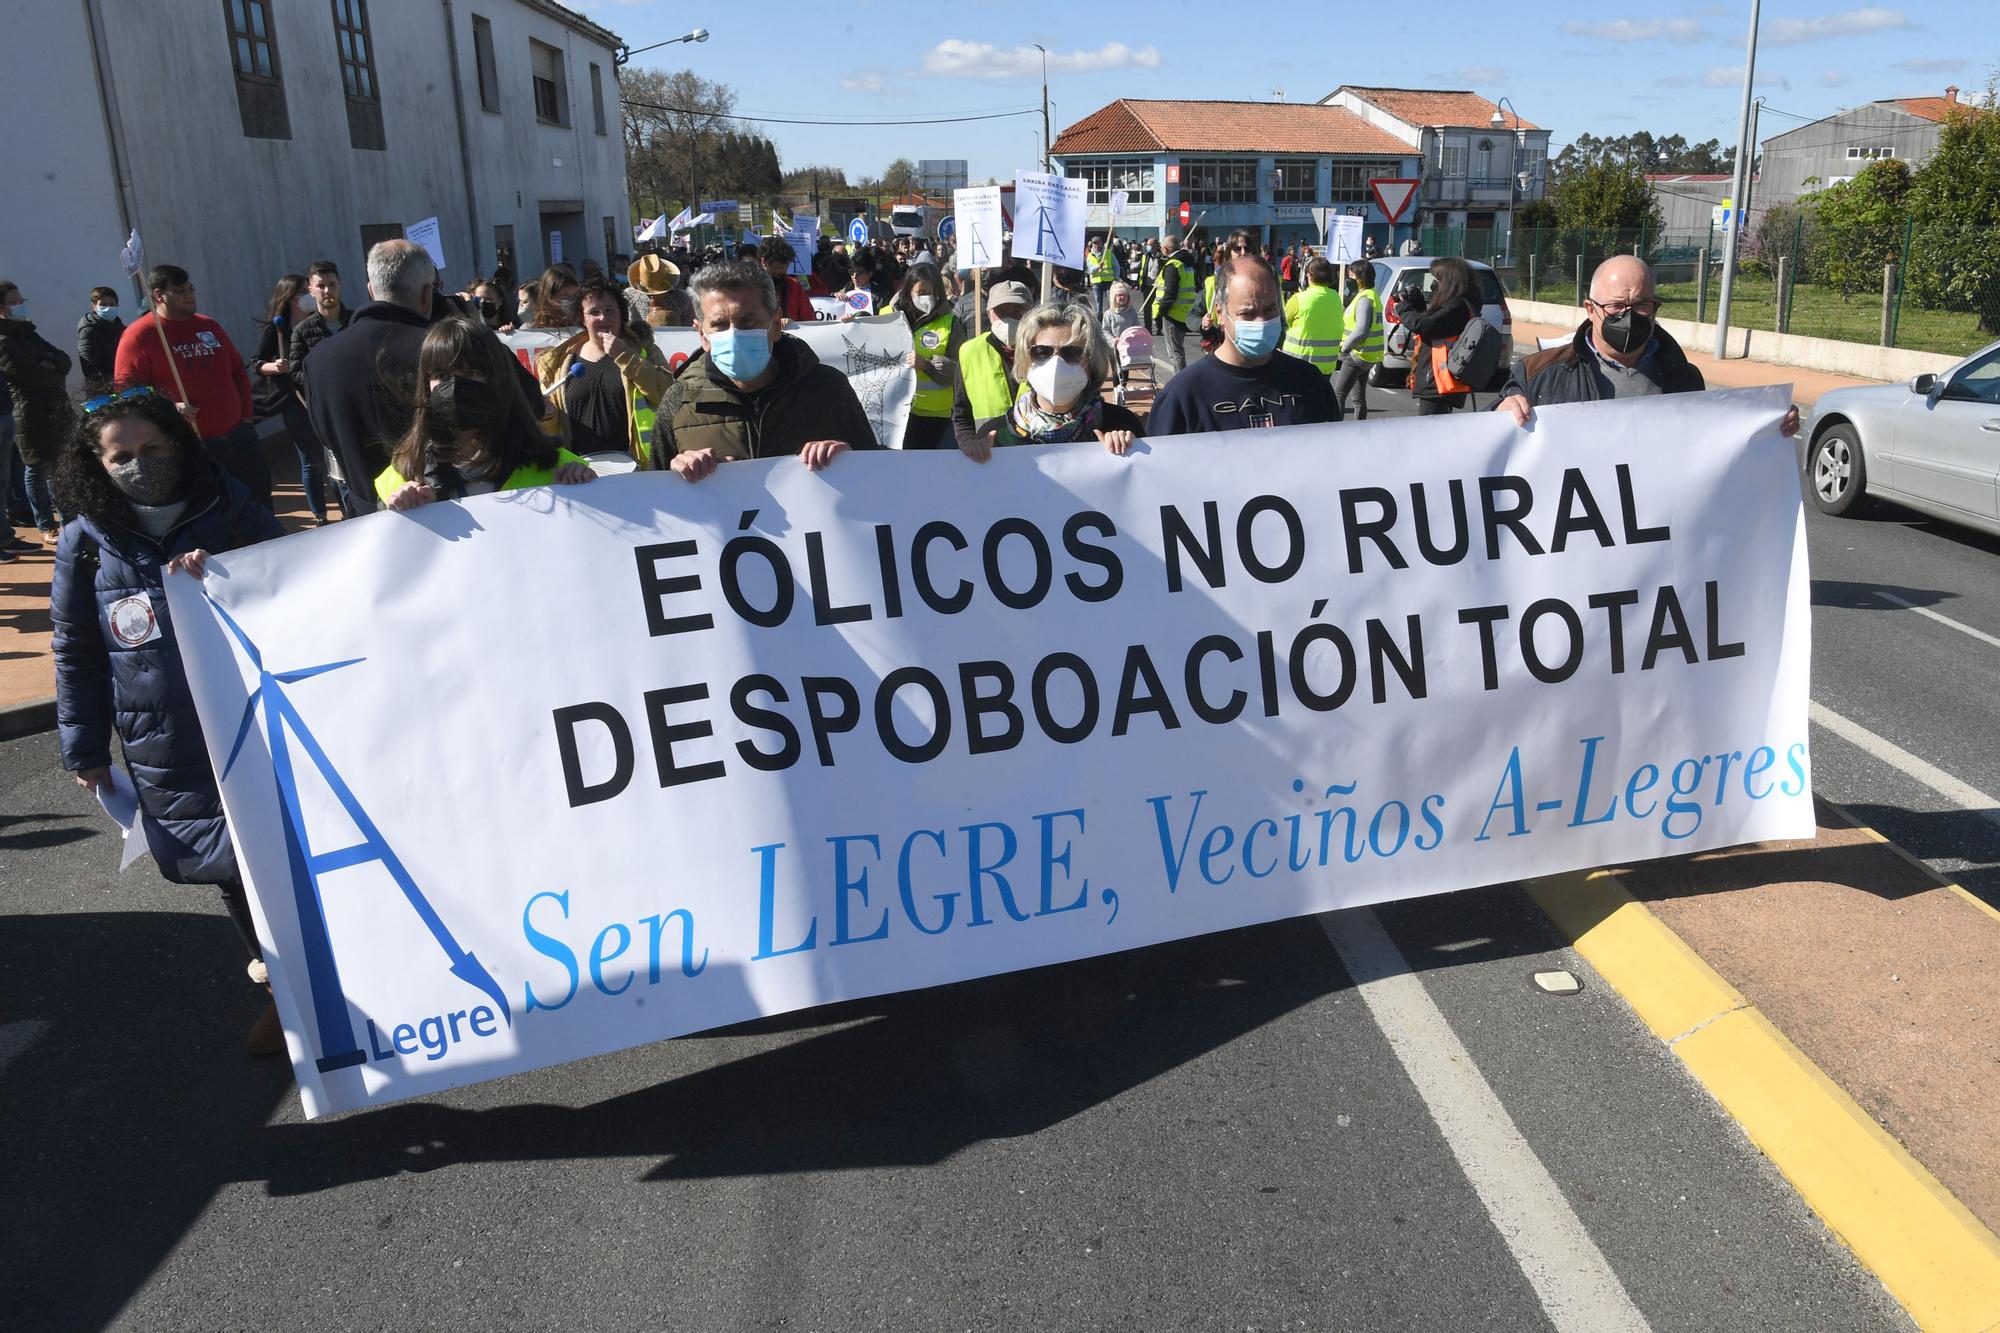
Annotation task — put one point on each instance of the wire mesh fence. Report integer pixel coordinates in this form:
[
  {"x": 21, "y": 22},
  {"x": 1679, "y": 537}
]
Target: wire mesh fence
[{"x": 1892, "y": 283}]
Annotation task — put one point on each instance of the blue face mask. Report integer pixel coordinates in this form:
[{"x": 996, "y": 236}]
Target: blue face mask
[
  {"x": 107, "y": 312},
  {"x": 1258, "y": 338},
  {"x": 740, "y": 354},
  {"x": 17, "y": 311}
]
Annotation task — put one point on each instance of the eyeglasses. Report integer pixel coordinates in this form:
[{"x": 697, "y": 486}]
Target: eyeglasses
[
  {"x": 1648, "y": 307},
  {"x": 1041, "y": 352},
  {"x": 102, "y": 401}
]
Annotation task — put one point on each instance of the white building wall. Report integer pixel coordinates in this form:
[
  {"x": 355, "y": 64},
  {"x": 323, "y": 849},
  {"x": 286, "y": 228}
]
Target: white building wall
[
  {"x": 63, "y": 229},
  {"x": 237, "y": 212}
]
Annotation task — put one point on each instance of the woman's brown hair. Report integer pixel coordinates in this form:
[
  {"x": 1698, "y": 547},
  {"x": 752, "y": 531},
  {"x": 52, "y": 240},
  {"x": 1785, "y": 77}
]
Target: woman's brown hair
[{"x": 461, "y": 345}]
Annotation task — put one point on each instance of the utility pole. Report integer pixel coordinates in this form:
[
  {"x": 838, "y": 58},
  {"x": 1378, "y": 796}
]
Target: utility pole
[
  {"x": 1048, "y": 269},
  {"x": 1744, "y": 148}
]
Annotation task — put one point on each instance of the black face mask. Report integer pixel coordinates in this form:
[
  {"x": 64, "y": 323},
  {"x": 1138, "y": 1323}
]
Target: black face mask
[
  {"x": 460, "y": 405},
  {"x": 489, "y": 309},
  {"x": 1627, "y": 331}
]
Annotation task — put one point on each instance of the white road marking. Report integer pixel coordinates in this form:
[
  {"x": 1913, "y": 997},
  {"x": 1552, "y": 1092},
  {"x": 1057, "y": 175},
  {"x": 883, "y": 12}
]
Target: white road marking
[
  {"x": 1925, "y": 611},
  {"x": 1571, "y": 1278},
  {"x": 1962, "y": 794}
]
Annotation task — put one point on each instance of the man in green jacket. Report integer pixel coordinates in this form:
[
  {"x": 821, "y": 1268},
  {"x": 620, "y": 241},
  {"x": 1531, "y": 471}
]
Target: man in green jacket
[{"x": 753, "y": 391}]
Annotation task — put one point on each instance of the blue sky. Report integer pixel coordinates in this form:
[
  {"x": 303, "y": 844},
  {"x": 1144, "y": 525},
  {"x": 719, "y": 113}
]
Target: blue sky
[{"x": 1605, "y": 69}]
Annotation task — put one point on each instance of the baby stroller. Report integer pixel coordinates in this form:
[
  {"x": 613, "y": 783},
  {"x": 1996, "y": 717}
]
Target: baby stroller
[{"x": 1135, "y": 365}]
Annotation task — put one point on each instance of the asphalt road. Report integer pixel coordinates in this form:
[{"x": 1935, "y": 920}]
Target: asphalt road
[
  {"x": 1212, "y": 1134},
  {"x": 1906, "y": 683}
]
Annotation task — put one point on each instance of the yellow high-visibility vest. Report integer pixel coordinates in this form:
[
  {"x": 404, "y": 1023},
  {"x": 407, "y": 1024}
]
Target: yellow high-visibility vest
[
  {"x": 1369, "y": 349},
  {"x": 1313, "y": 326},
  {"x": 930, "y": 339},
  {"x": 984, "y": 375}
]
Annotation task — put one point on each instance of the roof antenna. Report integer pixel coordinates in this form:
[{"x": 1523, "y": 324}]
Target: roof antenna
[{"x": 1277, "y": 94}]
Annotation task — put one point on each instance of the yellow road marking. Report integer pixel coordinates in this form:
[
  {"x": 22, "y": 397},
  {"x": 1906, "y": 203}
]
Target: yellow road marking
[{"x": 1938, "y": 1260}]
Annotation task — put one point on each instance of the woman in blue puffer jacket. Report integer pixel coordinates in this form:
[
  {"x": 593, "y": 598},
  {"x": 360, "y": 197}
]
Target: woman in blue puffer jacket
[{"x": 144, "y": 500}]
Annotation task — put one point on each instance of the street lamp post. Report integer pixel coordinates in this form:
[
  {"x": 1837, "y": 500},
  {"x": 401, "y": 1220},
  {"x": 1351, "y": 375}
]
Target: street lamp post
[
  {"x": 1743, "y": 150},
  {"x": 625, "y": 53},
  {"x": 1521, "y": 176}
]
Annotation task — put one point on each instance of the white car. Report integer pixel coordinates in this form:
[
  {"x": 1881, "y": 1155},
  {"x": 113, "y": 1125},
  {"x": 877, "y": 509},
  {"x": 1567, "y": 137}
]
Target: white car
[
  {"x": 1932, "y": 444},
  {"x": 1391, "y": 270}
]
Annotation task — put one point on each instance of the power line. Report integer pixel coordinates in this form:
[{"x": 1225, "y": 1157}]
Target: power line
[{"x": 784, "y": 120}]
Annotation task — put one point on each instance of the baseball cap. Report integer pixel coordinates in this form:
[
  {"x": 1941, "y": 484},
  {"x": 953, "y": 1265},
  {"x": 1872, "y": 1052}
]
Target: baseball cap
[{"x": 1008, "y": 293}]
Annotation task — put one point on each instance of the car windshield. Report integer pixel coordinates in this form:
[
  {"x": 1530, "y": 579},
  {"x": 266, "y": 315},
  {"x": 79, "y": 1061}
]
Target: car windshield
[{"x": 1980, "y": 380}]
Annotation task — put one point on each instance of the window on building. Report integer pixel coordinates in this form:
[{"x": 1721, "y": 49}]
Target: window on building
[
  {"x": 374, "y": 233},
  {"x": 1219, "y": 180},
  {"x": 482, "y": 56},
  {"x": 1350, "y": 180},
  {"x": 1298, "y": 181},
  {"x": 1870, "y": 154},
  {"x": 551, "y": 88},
  {"x": 503, "y": 253},
  {"x": 260, "y": 86},
  {"x": 357, "y": 74},
  {"x": 1134, "y": 175},
  {"x": 597, "y": 96},
  {"x": 1534, "y": 158},
  {"x": 1450, "y": 158}
]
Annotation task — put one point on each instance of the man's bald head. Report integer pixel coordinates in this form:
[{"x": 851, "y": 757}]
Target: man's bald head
[{"x": 1622, "y": 278}]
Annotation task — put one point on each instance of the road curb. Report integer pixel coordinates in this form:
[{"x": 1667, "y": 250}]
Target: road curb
[
  {"x": 1938, "y": 1260},
  {"x": 26, "y": 719}
]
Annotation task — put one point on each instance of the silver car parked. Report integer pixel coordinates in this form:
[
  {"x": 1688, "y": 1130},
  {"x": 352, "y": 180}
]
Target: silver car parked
[{"x": 1932, "y": 444}]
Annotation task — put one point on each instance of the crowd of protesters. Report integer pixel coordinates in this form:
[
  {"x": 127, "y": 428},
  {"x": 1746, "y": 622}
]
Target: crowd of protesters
[{"x": 411, "y": 398}]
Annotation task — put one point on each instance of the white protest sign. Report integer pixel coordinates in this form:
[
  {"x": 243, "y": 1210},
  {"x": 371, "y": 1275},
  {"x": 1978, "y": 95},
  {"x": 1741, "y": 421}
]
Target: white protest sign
[
  {"x": 133, "y": 255},
  {"x": 1049, "y": 213},
  {"x": 1117, "y": 202},
  {"x": 1343, "y": 238},
  {"x": 804, "y": 236},
  {"x": 871, "y": 351},
  {"x": 803, "y": 737},
  {"x": 979, "y": 227},
  {"x": 425, "y": 233}
]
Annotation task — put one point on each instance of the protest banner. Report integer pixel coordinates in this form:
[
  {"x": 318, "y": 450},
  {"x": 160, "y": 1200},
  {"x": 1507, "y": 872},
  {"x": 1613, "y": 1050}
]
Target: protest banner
[
  {"x": 870, "y": 350},
  {"x": 978, "y": 226},
  {"x": 1052, "y": 211},
  {"x": 804, "y": 236},
  {"x": 781, "y": 738},
  {"x": 425, "y": 233}
]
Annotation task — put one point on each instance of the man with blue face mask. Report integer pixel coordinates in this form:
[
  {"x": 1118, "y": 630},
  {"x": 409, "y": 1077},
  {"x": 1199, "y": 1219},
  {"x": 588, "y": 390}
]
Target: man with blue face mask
[
  {"x": 754, "y": 391},
  {"x": 1247, "y": 382}
]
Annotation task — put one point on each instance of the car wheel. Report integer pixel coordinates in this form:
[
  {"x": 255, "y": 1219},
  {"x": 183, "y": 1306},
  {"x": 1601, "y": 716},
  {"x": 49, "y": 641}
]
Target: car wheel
[{"x": 1836, "y": 478}]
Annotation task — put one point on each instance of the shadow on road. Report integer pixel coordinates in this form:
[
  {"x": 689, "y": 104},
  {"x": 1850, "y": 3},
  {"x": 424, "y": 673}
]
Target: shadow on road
[{"x": 1868, "y": 596}]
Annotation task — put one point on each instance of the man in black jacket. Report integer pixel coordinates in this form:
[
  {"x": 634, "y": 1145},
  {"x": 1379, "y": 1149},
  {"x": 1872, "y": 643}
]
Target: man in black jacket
[
  {"x": 1619, "y": 351},
  {"x": 323, "y": 282},
  {"x": 360, "y": 385}
]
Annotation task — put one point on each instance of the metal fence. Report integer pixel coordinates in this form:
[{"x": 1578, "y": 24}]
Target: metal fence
[{"x": 1935, "y": 289}]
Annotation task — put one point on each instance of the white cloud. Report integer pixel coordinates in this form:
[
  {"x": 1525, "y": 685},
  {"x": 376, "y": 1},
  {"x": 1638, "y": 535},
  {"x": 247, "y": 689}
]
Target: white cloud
[
  {"x": 1949, "y": 65},
  {"x": 1479, "y": 74},
  {"x": 1731, "y": 76},
  {"x": 1640, "y": 30},
  {"x": 954, "y": 59},
  {"x": 865, "y": 81},
  {"x": 1789, "y": 32},
  {"x": 1832, "y": 78}
]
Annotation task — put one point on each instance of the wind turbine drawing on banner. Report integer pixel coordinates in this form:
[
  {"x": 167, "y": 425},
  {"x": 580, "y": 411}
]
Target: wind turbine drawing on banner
[{"x": 338, "y": 1048}]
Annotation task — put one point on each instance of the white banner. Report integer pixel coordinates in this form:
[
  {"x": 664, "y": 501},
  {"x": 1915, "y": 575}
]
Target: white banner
[
  {"x": 786, "y": 738},
  {"x": 979, "y": 226},
  {"x": 872, "y": 351},
  {"x": 1049, "y": 215}
]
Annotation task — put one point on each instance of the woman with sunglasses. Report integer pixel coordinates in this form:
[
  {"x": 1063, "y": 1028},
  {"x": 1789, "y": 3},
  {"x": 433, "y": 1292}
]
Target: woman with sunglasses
[
  {"x": 145, "y": 500},
  {"x": 1063, "y": 363}
]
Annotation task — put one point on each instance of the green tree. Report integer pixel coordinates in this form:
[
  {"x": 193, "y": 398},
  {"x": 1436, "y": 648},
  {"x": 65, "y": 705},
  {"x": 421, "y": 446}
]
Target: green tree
[
  {"x": 899, "y": 178},
  {"x": 1954, "y": 209},
  {"x": 1606, "y": 195},
  {"x": 1856, "y": 227}
]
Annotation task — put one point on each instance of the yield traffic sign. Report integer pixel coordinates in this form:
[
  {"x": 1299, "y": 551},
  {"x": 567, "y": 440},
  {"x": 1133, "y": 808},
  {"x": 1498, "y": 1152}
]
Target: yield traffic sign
[{"x": 1394, "y": 196}]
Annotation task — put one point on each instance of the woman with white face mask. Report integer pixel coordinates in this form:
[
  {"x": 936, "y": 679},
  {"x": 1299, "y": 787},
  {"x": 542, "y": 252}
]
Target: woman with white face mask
[
  {"x": 1063, "y": 362},
  {"x": 935, "y": 334}
]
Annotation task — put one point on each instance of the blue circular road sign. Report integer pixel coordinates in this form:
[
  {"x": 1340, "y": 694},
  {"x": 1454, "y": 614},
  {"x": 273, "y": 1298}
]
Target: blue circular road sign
[
  {"x": 947, "y": 227},
  {"x": 857, "y": 231}
]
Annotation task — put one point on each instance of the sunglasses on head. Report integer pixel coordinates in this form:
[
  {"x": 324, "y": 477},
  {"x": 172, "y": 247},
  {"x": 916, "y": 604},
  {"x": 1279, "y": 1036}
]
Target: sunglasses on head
[
  {"x": 102, "y": 401},
  {"x": 1070, "y": 353}
]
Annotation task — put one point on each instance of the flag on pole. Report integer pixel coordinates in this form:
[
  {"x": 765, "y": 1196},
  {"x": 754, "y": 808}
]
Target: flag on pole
[
  {"x": 682, "y": 220},
  {"x": 654, "y": 230}
]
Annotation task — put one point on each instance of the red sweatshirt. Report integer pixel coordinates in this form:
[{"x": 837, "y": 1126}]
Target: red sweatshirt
[{"x": 210, "y": 366}]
